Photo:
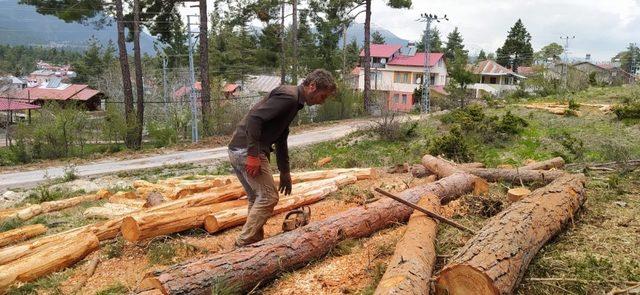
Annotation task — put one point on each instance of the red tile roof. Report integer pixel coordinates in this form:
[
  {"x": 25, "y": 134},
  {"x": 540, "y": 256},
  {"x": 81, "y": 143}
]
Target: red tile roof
[
  {"x": 416, "y": 60},
  {"x": 491, "y": 68},
  {"x": 525, "y": 70},
  {"x": 382, "y": 50},
  {"x": 73, "y": 92},
  {"x": 184, "y": 90},
  {"x": 230, "y": 87},
  {"x": 12, "y": 105}
]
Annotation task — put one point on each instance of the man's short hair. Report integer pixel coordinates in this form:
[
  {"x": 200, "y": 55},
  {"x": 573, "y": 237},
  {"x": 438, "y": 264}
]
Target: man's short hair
[{"x": 322, "y": 78}]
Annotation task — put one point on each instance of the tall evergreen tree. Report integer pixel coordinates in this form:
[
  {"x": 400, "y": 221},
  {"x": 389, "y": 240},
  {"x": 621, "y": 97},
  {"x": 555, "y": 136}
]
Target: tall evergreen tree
[
  {"x": 455, "y": 43},
  {"x": 482, "y": 55},
  {"x": 517, "y": 50},
  {"x": 91, "y": 64},
  {"x": 377, "y": 38},
  {"x": 435, "y": 44}
]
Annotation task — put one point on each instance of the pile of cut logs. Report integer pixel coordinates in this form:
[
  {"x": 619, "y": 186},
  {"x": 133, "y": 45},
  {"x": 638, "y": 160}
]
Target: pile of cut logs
[
  {"x": 152, "y": 209},
  {"x": 492, "y": 261}
]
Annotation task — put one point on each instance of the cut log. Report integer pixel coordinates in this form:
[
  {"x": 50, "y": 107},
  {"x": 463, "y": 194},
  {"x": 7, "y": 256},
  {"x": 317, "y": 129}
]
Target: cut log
[
  {"x": 152, "y": 224},
  {"x": 21, "y": 234},
  {"x": 515, "y": 194},
  {"x": 410, "y": 267},
  {"x": 471, "y": 165},
  {"x": 91, "y": 269},
  {"x": 119, "y": 199},
  {"x": 323, "y": 161},
  {"x": 496, "y": 258},
  {"x": 153, "y": 199},
  {"x": 245, "y": 267},
  {"x": 48, "y": 259},
  {"x": 109, "y": 211},
  {"x": 557, "y": 163},
  {"x": 46, "y": 207},
  {"x": 443, "y": 168}
]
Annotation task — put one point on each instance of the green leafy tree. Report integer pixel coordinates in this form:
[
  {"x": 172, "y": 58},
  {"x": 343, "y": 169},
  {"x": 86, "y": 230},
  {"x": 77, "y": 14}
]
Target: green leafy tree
[
  {"x": 517, "y": 50},
  {"x": 435, "y": 42},
  {"x": 551, "y": 51},
  {"x": 627, "y": 57},
  {"x": 377, "y": 38},
  {"x": 461, "y": 77},
  {"x": 455, "y": 46},
  {"x": 91, "y": 65},
  {"x": 482, "y": 55}
]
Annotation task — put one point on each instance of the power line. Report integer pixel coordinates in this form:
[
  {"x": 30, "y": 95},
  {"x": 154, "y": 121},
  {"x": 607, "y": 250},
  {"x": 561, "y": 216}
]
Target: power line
[
  {"x": 428, "y": 18},
  {"x": 566, "y": 58}
]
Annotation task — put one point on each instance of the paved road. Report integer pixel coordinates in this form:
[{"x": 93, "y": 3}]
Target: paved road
[{"x": 32, "y": 178}]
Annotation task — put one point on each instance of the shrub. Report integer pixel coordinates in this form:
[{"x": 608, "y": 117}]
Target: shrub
[
  {"x": 453, "y": 145},
  {"x": 474, "y": 123},
  {"x": 630, "y": 110},
  {"x": 162, "y": 134},
  {"x": 511, "y": 124},
  {"x": 390, "y": 128}
]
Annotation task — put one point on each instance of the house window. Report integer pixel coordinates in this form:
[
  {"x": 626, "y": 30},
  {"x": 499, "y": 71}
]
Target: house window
[
  {"x": 432, "y": 81},
  {"x": 402, "y": 77},
  {"x": 418, "y": 78},
  {"x": 396, "y": 98},
  {"x": 493, "y": 80},
  {"x": 404, "y": 99}
]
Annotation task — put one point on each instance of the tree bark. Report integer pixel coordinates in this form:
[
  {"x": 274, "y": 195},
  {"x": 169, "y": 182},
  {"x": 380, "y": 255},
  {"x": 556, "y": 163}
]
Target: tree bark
[
  {"x": 496, "y": 258},
  {"x": 49, "y": 259},
  {"x": 126, "y": 77},
  {"x": 52, "y": 206},
  {"x": 245, "y": 267},
  {"x": 367, "y": 57},
  {"x": 21, "y": 234},
  {"x": 152, "y": 224},
  {"x": 410, "y": 267},
  {"x": 444, "y": 168},
  {"x": 109, "y": 211},
  {"x": 294, "y": 41},
  {"x": 205, "y": 94},
  {"x": 137, "y": 61},
  {"x": 557, "y": 163}
]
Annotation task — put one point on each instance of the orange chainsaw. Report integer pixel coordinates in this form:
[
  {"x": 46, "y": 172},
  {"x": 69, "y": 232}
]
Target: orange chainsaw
[{"x": 296, "y": 218}]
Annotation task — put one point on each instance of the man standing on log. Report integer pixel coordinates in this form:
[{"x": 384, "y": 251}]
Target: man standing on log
[{"x": 267, "y": 124}]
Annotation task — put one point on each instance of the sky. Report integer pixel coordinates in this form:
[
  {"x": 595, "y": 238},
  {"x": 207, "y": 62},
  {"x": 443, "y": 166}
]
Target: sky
[{"x": 601, "y": 27}]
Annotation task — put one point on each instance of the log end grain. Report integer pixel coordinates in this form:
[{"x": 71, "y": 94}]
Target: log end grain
[
  {"x": 211, "y": 224},
  {"x": 464, "y": 279},
  {"x": 515, "y": 194},
  {"x": 480, "y": 187},
  {"x": 130, "y": 229}
]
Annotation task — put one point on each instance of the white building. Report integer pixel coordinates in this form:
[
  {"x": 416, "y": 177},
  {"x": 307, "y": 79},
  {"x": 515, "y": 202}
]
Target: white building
[
  {"x": 494, "y": 78},
  {"x": 398, "y": 71}
]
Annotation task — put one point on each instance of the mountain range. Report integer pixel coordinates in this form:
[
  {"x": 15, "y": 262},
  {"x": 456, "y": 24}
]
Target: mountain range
[{"x": 22, "y": 25}]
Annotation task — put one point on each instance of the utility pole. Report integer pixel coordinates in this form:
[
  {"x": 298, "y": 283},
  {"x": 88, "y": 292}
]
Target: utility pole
[
  {"x": 425, "y": 103},
  {"x": 565, "y": 68},
  {"x": 192, "y": 80},
  {"x": 283, "y": 74},
  {"x": 164, "y": 84}
]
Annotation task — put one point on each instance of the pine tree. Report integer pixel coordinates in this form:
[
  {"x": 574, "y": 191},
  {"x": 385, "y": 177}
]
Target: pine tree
[
  {"x": 482, "y": 55},
  {"x": 435, "y": 44},
  {"x": 517, "y": 49},
  {"x": 377, "y": 38},
  {"x": 91, "y": 64},
  {"x": 454, "y": 43}
]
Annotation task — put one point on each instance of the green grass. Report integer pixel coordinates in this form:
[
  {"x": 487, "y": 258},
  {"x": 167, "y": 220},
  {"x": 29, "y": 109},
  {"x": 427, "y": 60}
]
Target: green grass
[
  {"x": 115, "y": 289},
  {"x": 49, "y": 284}
]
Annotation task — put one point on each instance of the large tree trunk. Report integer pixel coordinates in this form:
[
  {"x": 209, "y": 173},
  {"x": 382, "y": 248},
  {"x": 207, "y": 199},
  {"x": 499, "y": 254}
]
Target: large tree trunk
[
  {"x": 496, "y": 258},
  {"x": 137, "y": 61},
  {"x": 50, "y": 259},
  {"x": 410, "y": 267},
  {"x": 367, "y": 57},
  {"x": 21, "y": 234},
  {"x": 126, "y": 78},
  {"x": 294, "y": 41},
  {"x": 444, "y": 168},
  {"x": 557, "y": 163},
  {"x": 205, "y": 94},
  {"x": 245, "y": 267},
  {"x": 152, "y": 224}
]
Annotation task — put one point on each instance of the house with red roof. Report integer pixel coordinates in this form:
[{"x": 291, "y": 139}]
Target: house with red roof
[
  {"x": 54, "y": 90},
  {"x": 397, "y": 71}
]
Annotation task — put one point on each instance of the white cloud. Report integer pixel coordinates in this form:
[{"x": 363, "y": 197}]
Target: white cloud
[{"x": 602, "y": 28}]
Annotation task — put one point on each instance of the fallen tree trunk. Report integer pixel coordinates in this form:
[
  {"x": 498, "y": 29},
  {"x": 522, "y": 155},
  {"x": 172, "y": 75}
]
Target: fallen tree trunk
[
  {"x": 557, "y": 163},
  {"x": 243, "y": 268},
  {"x": 410, "y": 267},
  {"x": 21, "y": 234},
  {"x": 152, "y": 224},
  {"x": 46, "y": 207},
  {"x": 444, "y": 168},
  {"x": 109, "y": 211},
  {"x": 496, "y": 258},
  {"x": 48, "y": 259}
]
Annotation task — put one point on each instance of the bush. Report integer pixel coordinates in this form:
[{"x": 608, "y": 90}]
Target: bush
[
  {"x": 630, "y": 110},
  {"x": 474, "y": 123},
  {"x": 390, "y": 128},
  {"x": 511, "y": 124},
  {"x": 162, "y": 134},
  {"x": 453, "y": 146}
]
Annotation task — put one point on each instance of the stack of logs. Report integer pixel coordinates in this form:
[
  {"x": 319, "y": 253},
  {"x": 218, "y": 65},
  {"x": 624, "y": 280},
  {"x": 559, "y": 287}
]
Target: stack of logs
[
  {"x": 212, "y": 202},
  {"x": 492, "y": 261}
]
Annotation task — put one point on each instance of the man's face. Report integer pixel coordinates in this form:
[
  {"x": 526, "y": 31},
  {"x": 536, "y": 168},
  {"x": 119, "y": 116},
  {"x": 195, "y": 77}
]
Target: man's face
[{"x": 315, "y": 96}]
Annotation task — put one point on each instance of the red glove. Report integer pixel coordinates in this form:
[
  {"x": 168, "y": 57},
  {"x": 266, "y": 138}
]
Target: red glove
[{"x": 253, "y": 166}]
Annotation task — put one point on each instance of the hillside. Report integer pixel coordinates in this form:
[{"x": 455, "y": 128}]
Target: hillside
[{"x": 22, "y": 25}]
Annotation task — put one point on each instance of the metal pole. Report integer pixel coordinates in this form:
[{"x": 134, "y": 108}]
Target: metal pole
[
  {"x": 566, "y": 60},
  {"x": 427, "y": 72},
  {"x": 192, "y": 81},
  {"x": 164, "y": 83}
]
